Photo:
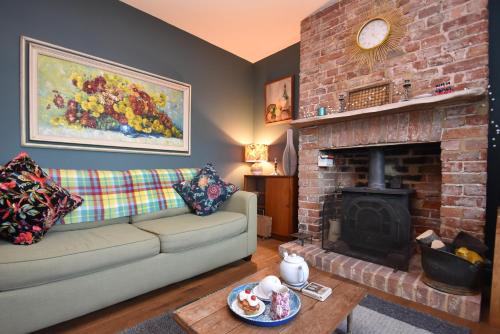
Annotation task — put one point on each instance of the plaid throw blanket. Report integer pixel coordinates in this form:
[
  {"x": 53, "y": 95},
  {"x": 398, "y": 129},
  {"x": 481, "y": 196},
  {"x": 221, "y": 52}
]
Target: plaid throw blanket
[{"x": 113, "y": 194}]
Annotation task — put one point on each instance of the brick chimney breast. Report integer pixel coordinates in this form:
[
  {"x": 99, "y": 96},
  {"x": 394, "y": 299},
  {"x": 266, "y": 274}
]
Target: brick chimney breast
[{"x": 445, "y": 41}]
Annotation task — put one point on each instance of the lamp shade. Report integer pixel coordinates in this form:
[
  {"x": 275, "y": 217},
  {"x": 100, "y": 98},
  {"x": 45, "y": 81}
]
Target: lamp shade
[{"x": 255, "y": 152}]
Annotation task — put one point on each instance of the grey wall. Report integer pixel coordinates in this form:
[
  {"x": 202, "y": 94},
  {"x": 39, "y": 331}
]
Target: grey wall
[
  {"x": 221, "y": 82},
  {"x": 283, "y": 63}
]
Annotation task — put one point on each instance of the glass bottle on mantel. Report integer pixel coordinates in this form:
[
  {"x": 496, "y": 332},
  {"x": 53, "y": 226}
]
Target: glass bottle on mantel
[{"x": 289, "y": 155}]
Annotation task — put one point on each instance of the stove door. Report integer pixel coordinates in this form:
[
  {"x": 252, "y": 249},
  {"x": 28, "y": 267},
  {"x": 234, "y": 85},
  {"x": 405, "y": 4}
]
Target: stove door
[{"x": 377, "y": 222}]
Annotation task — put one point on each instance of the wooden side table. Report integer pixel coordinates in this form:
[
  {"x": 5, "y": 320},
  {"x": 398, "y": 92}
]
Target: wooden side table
[{"x": 277, "y": 198}]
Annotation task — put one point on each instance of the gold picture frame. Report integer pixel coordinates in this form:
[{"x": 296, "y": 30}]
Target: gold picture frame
[
  {"x": 72, "y": 100},
  {"x": 279, "y": 100}
]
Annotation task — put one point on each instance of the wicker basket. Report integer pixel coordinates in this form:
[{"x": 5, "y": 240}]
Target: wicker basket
[{"x": 264, "y": 226}]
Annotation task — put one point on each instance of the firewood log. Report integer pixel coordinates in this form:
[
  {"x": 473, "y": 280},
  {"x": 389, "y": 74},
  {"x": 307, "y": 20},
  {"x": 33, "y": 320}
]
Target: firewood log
[
  {"x": 428, "y": 237},
  {"x": 438, "y": 244}
]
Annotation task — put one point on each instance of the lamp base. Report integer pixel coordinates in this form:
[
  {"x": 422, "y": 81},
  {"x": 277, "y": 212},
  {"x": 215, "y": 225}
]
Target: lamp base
[{"x": 257, "y": 169}]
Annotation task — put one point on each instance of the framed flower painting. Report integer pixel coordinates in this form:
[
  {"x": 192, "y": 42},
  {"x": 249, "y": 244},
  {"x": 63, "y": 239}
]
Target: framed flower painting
[
  {"x": 279, "y": 101},
  {"x": 73, "y": 100}
]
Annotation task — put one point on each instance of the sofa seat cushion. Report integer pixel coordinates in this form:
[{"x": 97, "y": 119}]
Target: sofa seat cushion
[
  {"x": 62, "y": 255},
  {"x": 184, "y": 232}
]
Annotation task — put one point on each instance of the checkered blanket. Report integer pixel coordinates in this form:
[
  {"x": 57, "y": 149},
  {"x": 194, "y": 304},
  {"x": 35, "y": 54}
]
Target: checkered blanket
[{"x": 113, "y": 194}]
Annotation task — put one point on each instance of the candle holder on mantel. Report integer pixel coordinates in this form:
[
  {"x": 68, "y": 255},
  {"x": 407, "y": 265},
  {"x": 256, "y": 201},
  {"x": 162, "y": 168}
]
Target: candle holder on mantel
[
  {"x": 406, "y": 90},
  {"x": 341, "y": 103},
  {"x": 275, "y": 172}
]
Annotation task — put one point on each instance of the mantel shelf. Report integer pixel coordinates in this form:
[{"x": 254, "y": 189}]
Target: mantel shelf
[{"x": 467, "y": 95}]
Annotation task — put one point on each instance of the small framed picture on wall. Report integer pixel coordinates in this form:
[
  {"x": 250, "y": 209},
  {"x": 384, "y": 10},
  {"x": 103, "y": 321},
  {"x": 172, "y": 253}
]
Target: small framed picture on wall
[{"x": 279, "y": 100}]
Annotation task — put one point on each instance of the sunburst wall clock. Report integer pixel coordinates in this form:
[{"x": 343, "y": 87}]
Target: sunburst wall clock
[{"x": 379, "y": 33}]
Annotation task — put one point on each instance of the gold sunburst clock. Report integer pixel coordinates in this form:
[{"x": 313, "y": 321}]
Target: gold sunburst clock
[{"x": 379, "y": 33}]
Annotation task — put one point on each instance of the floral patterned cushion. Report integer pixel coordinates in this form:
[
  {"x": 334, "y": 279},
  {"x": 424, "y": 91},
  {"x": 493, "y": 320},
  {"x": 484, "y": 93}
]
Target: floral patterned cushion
[
  {"x": 206, "y": 191},
  {"x": 30, "y": 202}
]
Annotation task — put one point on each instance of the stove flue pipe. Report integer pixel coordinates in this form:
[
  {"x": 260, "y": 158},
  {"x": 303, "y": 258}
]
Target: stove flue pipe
[{"x": 376, "y": 173}]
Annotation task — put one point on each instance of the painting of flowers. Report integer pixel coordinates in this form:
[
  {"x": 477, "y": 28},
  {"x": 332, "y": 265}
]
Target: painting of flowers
[
  {"x": 279, "y": 101},
  {"x": 82, "y": 102}
]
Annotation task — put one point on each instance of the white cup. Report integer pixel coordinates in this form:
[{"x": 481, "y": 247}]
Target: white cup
[{"x": 268, "y": 284}]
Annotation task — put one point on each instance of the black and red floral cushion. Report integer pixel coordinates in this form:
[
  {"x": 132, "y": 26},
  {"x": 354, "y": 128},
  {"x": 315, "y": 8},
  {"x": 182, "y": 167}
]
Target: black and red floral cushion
[
  {"x": 206, "y": 191},
  {"x": 30, "y": 201}
]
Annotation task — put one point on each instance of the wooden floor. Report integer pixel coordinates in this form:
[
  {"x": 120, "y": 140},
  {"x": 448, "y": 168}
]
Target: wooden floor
[{"x": 131, "y": 312}]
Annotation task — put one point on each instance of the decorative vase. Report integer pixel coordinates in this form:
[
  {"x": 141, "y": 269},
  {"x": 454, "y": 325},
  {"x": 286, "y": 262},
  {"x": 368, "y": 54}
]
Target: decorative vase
[
  {"x": 280, "y": 303},
  {"x": 289, "y": 155}
]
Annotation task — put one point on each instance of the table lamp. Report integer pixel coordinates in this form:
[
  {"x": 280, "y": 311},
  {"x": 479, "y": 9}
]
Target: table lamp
[{"x": 256, "y": 153}]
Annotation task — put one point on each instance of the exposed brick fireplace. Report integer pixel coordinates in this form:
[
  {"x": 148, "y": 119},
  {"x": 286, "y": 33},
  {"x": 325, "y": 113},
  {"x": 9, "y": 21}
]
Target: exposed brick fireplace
[
  {"x": 462, "y": 133},
  {"x": 445, "y": 41},
  {"x": 418, "y": 166}
]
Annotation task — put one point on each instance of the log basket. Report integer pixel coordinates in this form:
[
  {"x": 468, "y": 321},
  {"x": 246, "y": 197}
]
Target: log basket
[{"x": 450, "y": 273}]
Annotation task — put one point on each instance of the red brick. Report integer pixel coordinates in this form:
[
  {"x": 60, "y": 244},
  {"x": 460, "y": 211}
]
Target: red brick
[
  {"x": 476, "y": 144},
  {"x": 464, "y": 201},
  {"x": 479, "y": 166},
  {"x": 464, "y": 65},
  {"x": 466, "y": 132},
  {"x": 448, "y": 189},
  {"x": 474, "y": 213},
  {"x": 452, "y": 167},
  {"x": 475, "y": 189},
  {"x": 464, "y": 178},
  {"x": 448, "y": 211}
]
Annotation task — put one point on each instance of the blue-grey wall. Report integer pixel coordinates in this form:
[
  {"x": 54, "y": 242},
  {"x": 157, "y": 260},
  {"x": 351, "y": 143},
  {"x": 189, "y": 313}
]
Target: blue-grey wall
[
  {"x": 283, "y": 63},
  {"x": 221, "y": 82}
]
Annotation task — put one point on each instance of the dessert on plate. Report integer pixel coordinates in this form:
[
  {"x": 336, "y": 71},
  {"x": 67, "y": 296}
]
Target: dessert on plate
[{"x": 248, "y": 302}]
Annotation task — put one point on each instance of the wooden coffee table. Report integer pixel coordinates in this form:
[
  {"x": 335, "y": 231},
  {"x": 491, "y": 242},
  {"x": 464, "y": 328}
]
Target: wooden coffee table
[{"x": 212, "y": 315}]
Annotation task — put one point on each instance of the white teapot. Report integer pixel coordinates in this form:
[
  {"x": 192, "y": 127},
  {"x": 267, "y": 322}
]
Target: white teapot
[{"x": 294, "y": 269}]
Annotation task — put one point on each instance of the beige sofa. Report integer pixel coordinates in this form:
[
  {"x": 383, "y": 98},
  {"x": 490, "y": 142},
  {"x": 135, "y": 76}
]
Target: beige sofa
[{"x": 79, "y": 269}]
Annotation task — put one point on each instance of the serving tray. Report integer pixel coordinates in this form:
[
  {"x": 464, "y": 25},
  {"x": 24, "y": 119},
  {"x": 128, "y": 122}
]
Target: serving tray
[{"x": 263, "y": 320}]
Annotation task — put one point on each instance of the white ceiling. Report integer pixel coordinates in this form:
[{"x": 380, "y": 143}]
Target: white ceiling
[{"x": 251, "y": 29}]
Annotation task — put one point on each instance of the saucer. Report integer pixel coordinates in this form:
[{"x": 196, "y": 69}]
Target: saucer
[
  {"x": 238, "y": 310},
  {"x": 256, "y": 291}
]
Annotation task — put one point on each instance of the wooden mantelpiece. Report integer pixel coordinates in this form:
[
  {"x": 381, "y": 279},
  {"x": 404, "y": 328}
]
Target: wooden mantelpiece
[{"x": 468, "y": 95}]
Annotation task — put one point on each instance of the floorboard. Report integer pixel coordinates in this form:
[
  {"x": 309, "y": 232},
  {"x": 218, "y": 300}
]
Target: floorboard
[{"x": 136, "y": 310}]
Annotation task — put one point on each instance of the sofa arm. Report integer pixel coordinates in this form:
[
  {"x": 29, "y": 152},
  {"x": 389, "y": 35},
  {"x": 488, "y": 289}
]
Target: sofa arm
[{"x": 246, "y": 203}]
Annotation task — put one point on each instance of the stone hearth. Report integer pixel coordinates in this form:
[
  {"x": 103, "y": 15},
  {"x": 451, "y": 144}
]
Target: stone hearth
[{"x": 406, "y": 285}]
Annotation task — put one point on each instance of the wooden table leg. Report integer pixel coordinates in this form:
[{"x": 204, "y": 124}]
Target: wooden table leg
[{"x": 349, "y": 324}]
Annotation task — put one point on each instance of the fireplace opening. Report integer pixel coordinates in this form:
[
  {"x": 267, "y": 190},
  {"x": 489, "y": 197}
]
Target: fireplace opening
[{"x": 373, "y": 218}]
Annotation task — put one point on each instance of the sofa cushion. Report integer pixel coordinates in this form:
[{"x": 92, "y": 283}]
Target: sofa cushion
[
  {"x": 81, "y": 226},
  {"x": 62, "y": 255},
  {"x": 184, "y": 232},
  {"x": 30, "y": 201},
  {"x": 159, "y": 214},
  {"x": 206, "y": 191}
]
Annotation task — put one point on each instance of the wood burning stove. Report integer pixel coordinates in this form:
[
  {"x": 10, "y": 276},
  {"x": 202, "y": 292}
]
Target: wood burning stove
[{"x": 374, "y": 221}]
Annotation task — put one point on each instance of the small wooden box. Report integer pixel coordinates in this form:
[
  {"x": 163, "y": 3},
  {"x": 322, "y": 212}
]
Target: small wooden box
[{"x": 264, "y": 226}]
